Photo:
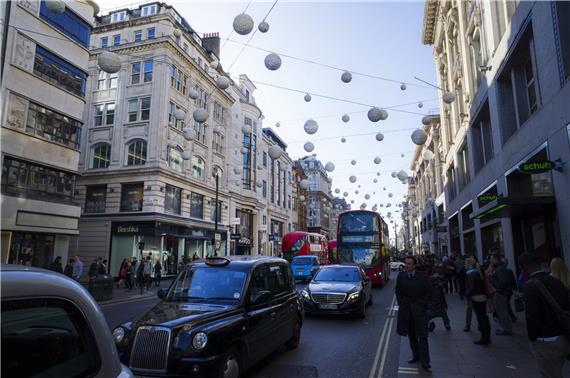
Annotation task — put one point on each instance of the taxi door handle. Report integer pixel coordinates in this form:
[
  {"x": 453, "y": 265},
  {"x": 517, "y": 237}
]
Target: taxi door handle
[{"x": 273, "y": 314}]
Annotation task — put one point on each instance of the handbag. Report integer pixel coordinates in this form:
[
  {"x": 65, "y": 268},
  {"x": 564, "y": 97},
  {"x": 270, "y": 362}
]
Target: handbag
[
  {"x": 562, "y": 316},
  {"x": 519, "y": 302}
]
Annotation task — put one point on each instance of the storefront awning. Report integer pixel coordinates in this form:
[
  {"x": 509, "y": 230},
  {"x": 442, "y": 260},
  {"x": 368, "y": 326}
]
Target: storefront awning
[{"x": 505, "y": 207}]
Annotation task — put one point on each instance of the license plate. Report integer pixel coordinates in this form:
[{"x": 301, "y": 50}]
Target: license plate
[
  {"x": 328, "y": 307},
  {"x": 300, "y": 270}
]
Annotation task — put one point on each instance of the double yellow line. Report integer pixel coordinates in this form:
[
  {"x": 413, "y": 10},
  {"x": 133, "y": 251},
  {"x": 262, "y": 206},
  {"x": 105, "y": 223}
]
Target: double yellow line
[{"x": 376, "y": 371}]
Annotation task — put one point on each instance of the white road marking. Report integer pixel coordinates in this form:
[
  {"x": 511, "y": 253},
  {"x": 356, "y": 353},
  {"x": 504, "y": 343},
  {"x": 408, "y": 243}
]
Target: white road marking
[{"x": 382, "y": 337}]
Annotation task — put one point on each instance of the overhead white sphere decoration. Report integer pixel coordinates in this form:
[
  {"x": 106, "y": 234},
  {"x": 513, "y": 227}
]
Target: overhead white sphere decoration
[
  {"x": 420, "y": 105},
  {"x": 243, "y": 150},
  {"x": 308, "y": 98},
  {"x": 301, "y": 198},
  {"x": 448, "y": 97},
  {"x": 377, "y": 173},
  {"x": 345, "y": 194},
  {"x": 311, "y": 126},
  {"x": 179, "y": 114},
  {"x": 375, "y": 181},
  {"x": 237, "y": 170},
  {"x": 214, "y": 64},
  {"x": 186, "y": 154},
  {"x": 329, "y": 167},
  {"x": 352, "y": 201},
  {"x": 377, "y": 160},
  {"x": 193, "y": 94},
  {"x": 304, "y": 184},
  {"x": 345, "y": 118},
  {"x": 243, "y": 24},
  {"x": 363, "y": 206},
  {"x": 343, "y": 140},
  {"x": 223, "y": 82},
  {"x": 55, "y": 6},
  {"x": 246, "y": 129},
  {"x": 200, "y": 115},
  {"x": 177, "y": 32},
  {"x": 383, "y": 115},
  {"x": 109, "y": 61},
  {"x": 353, "y": 162},
  {"x": 275, "y": 152},
  {"x": 359, "y": 186},
  {"x": 367, "y": 196},
  {"x": 278, "y": 124},
  {"x": 263, "y": 27},
  {"x": 402, "y": 175},
  {"x": 309, "y": 146},
  {"x": 259, "y": 167},
  {"x": 379, "y": 137},
  {"x": 259, "y": 184},
  {"x": 375, "y": 114},
  {"x": 337, "y": 190},
  {"x": 390, "y": 195},
  {"x": 402, "y": 155},
  {"x": 403, "y": 86},
  {"x": 394, "y": 174},
  {"x": 346, "y": 77},
  {"x": 427, "y": 155},
  {"x": 272, "y": 62},
  {"x": 426, "y": 120},
  {"x": 356, "y": 192},
  {"x": 352, "y": 179},
  {"x": 419, "y": 137},
  {"x": 188, "y": 133}
]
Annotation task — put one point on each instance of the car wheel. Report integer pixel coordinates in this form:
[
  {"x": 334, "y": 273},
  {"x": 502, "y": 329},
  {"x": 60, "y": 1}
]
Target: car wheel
[
  {"x": 362, "y": 312},
  {"x": 293, "y": 342},
  {"x": 230, "y": 367}
]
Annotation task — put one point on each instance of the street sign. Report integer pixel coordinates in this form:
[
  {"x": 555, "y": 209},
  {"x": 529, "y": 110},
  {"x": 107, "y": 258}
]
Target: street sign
[
  {"x": 236, "y": 221},
  {"x": 263, "y": 227},
  {"x": 217, "y": 237},
  {"x": 235, "y": 236}
]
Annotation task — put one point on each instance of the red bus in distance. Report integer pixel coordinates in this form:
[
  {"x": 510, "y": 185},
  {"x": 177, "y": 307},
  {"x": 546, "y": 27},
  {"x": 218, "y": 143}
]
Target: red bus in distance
[
  {"x": 333, "y": 253},
  {"x": 360, "y": 239},
  {"x": 304, "y": 243}
]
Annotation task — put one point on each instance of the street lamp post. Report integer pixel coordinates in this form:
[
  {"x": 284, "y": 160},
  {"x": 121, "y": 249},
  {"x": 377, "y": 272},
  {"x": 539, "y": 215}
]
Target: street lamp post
[{"x": 216, "y": 177}]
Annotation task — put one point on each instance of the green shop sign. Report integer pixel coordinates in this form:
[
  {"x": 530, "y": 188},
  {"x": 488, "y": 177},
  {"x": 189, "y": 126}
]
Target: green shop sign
[
  {"x": 540, "y": 166},
  {"x": 487, "y": 197}
]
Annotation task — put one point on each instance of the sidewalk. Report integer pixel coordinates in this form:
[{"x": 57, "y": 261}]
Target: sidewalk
[
  {"x": 123, "y": 295},
  {"x": 453, "y": 354}
]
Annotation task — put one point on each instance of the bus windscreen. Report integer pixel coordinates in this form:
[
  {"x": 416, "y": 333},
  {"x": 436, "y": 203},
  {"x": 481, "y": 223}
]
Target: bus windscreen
[{"x": 358, "y": 222}]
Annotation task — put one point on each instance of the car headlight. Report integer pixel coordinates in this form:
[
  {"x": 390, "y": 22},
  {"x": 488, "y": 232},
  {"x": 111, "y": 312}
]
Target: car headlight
[
  {"x": 305, "y": 294},
  {"x": 353, "y": 297},
  {"x": 199, "y": 341},
  {"x": 118, "y": 334}
]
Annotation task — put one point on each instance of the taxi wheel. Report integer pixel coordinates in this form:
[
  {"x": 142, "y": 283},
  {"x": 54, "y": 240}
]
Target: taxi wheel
[
  {"x": 362, "y": 313},
  {"x": 230, "y": 367},
  {"x": 293, "y": 342}
]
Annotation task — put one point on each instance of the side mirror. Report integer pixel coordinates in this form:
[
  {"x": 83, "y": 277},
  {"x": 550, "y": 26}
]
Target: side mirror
[
  {"x": 259, "y": 297},
  {"x": 161, "y": 294}
]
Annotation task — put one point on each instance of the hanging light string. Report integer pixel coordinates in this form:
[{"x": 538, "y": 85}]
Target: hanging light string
[{"x": 250, "y": 37}]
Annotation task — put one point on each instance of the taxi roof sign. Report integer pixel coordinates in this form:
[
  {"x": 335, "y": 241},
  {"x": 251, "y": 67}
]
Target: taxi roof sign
[{"x": 217, "y": 261}]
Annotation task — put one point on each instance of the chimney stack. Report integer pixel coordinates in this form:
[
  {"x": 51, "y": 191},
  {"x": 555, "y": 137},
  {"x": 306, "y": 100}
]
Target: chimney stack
[{"x": 211, "y": 42}]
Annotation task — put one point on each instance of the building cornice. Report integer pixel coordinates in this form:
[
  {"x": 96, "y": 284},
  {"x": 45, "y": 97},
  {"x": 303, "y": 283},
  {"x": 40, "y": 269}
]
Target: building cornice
[{"x": 430, "y": 17}]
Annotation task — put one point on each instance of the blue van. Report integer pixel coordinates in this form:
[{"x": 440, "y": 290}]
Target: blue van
[{"x": 305, "y": 267}]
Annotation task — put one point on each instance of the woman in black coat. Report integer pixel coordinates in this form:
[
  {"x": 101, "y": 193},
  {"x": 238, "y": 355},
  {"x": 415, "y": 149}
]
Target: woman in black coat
[{"x": 437, "y": 306}]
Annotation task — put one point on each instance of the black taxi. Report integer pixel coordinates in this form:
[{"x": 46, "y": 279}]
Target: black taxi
[{"x": 219, "y": 317}]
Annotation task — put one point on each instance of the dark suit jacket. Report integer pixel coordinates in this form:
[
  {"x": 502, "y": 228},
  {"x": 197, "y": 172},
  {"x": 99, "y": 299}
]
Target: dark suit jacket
[
  {"x": 413, "y": 295},
  {"x": 540, "y": 318}
]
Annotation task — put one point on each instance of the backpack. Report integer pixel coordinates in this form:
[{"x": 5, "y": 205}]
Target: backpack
[{"x": 562, "y": 316}]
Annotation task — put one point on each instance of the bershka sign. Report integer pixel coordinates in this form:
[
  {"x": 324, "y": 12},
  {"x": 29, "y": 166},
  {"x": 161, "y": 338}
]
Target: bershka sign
[{"x": 538, "y": 166}]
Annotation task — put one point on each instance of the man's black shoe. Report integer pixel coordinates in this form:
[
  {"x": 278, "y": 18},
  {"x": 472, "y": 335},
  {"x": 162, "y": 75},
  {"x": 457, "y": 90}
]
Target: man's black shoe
[
  {"x": 426, "y": 367},
  {"x": 482, "y": 342},
  {"x": 413, "y": 360}
]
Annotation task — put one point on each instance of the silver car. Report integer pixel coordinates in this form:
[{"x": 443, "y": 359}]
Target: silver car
[{"x": 52, "y": 327}]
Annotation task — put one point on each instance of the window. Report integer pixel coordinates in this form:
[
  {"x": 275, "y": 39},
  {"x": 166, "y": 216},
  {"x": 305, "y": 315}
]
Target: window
[
  {"x": 178, "y": 79},
  {"x": 218, "y": 142},
  {"x": 150, "y": 33},
  {"x": 218, "y": 112},
  {"x": 149, "y": 10},
  {"x": 185, "y": 47},
  {"x": 147, "y": 65},
  {"x": 197, "y": 206},
  {"x": 198, "y": 166},
  {"x": 95, "y": 199},
  {"x": 52, "y": 126},
  {"x": 30, "y": 325},
  {"x": 104, "y": 42},
  {"x": 264, "y": 159},
  {"x": 29, "y": 180},
  {"x": 563, "y": 12},
  {"x": 119, "y": 16},
  {"x": 246, "y": 161},
  {"x": 200, "y": 129},
  {"x": 264, "y": 220},
  {"x": 172, "y": 199},
  {"x": 104, "y": 114},
  {"x": 59, "y": 72},
  {"x": 530, "y": 86},
  {"x": 100, "y": 155},
  {"x": 482, "y": 139},
  {"x": 202, "y": 99},
  {"x": 175, "y": 160},
  {"x": 451, "y": 191},
  {"x": 278, "y": 279},
  {"x": 136, "y": 113},
  {"x": 138, "y": 35},
  {"x": 107, "y": 80},
  {"x": 184, "y": 84},
  {"x": 264, "y": 188},
  {"x": 178, "y": 123},
  {"x": 135, "y": 73},
  {"x": 68, "y": 23},
  {"x": 116, "y": 40},
  {"x": 463, "y": 159},
  {"x": 213, "y": 211},
  {"x": 132, "y": 197},
  {"x": 136, "y": 152},
  {"x": 289, "y": 201}
]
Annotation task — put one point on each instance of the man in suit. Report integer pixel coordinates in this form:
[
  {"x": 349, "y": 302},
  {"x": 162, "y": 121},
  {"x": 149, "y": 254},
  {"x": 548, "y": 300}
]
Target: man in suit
[
  {"x": 413, "y": 295},
  {"x": 549, "y": 343}
]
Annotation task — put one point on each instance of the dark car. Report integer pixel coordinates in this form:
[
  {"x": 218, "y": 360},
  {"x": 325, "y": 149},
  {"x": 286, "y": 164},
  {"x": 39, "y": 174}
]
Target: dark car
[
  {"x": 338, "y": 289},
  {"x": 219, "y": 317}
]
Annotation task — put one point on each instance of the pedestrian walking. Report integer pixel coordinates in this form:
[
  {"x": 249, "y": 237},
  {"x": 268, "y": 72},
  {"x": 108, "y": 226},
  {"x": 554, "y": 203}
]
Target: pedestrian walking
[
  {"x": 157, "y": 273},
  {"x": 513, "y": 288},
  {"x": 122, "y": 273},
  {"x": 93, "y": 269},
  {"x": 129, "y": 274},
  {"x": 477, "y": 298},
  {"x": 77, "y": 268},
  {"x": 413, "y": 295},
  {"x": 460, "y": 276},
  {"x": 437, "y": 306},
  {"x": 101, "y": 266},
  {"x": 68, "y": 271},
  {"x": 559, "y": 271},
  {"x": 56, "y": 265},
  {"x": 147, "y": 271},
  {"x": 448, "y": 273},
  {"x": 500, "y": 281},
  {"x": 544, "y": 295}
]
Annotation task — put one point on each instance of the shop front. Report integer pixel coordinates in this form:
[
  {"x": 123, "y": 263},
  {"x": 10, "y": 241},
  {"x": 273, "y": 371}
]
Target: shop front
[
  {"x": 275, "y": 237},
  {"x": 244, "y": 235},
  {"x": 34, "y": 248}
]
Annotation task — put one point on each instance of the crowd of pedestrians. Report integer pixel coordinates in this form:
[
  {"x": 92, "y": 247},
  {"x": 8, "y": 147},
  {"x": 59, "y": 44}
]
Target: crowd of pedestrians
[{"x": 488, "y": 290}]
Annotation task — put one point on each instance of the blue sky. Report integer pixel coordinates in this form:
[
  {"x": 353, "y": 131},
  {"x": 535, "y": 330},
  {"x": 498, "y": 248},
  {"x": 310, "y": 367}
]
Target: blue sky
[{"x": 376, "y": 38}]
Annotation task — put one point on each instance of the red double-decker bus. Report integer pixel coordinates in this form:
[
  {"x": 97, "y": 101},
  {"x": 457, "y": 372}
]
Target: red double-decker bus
[
  {"x": 360, "y": 239},
  {"x": 304, "y": 243}
]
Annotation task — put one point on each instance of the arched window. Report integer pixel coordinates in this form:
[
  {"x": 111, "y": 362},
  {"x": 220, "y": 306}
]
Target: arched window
[
  {"x": 175, "y": 160},
  {"x": 198, "y": 167},
  {"x": 136, "y": 152},
  {"x": 100, "y": 155},
  {"x": 217, "y": 171}
]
